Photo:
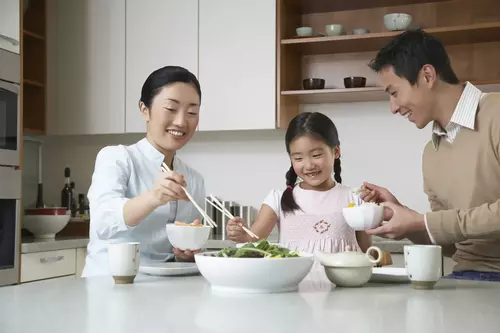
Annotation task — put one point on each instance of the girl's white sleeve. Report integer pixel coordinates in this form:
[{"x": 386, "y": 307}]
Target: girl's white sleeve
[{"x": 273, "y": 200}]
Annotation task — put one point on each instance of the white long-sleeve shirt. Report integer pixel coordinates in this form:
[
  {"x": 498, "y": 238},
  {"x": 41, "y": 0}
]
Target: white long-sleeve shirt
[{"x": 124, "y": 172}]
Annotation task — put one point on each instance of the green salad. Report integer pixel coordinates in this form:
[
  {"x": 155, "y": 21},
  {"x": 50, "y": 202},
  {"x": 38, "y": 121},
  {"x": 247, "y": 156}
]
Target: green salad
[{"x": 259, "y": 249}]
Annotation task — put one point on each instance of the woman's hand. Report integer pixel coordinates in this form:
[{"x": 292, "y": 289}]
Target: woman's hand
[
  {"x": 235, "y": 231},
  {"x": 186, "y": 256},
  {"x": 168, "y": 187}
]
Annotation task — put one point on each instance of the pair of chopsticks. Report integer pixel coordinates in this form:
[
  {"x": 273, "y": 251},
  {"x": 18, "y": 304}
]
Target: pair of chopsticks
[
  {"x": 220, "y": 207},
  {"x": 206, "y": 218}
]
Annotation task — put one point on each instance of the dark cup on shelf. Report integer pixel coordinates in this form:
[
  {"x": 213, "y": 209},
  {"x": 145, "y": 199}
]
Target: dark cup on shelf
[
  {"x": 354, "y": 82},
  {"x": 313, "y": 83}
]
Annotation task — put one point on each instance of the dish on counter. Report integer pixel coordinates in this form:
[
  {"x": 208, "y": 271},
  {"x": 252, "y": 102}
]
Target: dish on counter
[
  {"x": 169, "y": 269},
  {"x": 389, "y": 275}
]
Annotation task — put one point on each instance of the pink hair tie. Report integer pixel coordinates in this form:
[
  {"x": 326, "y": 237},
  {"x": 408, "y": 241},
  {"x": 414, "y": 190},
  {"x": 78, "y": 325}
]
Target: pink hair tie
[{"x": 291, "y": 188}]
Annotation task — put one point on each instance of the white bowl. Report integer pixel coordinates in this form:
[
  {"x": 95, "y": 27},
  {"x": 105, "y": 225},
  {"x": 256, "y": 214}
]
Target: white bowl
[
  {"x": 334, "y": 29},
  {"x": 364, "y": 217},
  {"x": 45, "y": 226},
  {"x": 397, "y": 21},
  {"x": 304, "y": 31},
  {"x": 349, "y": 276},
  {"x": 187, "y": 237},
  {"x": 253, "y": 275}
]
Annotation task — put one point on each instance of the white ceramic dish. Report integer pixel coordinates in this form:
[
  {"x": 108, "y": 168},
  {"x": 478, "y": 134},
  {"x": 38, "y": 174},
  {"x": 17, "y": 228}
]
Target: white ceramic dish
[
  {"x": 304, "y": 31},
  {"x": 45, "y": 226},
  {"x": 364, "y": 217},
  {"x": 397, "y": 21},
  {"x": 253, "y": 275},
  {"x": 389, "y": 275},
  {"x": 187, "y": 237},
  {"x": 334, "y": 29},
  {"x": 169, "y": 268}
]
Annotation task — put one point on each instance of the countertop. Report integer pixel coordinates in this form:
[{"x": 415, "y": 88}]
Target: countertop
[
  {"x": 30, "y": 245},
  {"x": 187, "y": 305}
]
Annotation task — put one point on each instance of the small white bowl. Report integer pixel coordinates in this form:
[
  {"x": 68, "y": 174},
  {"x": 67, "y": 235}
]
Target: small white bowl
[
  {"x": 334, "y": 29},
  {"x": 360, "y": 31},
  {"x": 364, "y": 217},
  {"x": 304, "y": 31},
  {"x": 187, "y": 237},
  {"x": 397, "y": 21}
]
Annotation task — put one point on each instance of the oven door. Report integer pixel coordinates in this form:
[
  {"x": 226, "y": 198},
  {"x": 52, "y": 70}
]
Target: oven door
[
  {"x": 9, "y": 124},
  {"x": 10, "y": 228}
]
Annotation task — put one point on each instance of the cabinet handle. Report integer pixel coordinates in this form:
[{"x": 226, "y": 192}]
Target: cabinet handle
[
  {"x": 51, "y": 259},
  {"x": 11, "y": 40}
]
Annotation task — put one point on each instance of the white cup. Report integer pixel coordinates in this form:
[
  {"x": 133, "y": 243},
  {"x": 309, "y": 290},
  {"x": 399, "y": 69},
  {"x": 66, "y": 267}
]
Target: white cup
[
  {"x": 124, "y": 260},
  {"x": 423, "y": 265}
]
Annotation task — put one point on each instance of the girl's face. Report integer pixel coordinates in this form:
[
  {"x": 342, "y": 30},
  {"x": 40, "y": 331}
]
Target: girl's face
[
  {"x": 312, "y": 160},
  {"x": 173, "y": 117}
]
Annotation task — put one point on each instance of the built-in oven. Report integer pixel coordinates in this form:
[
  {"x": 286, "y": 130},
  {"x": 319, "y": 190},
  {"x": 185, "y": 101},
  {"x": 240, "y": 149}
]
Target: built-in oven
[{"x": 10, "y": 118}]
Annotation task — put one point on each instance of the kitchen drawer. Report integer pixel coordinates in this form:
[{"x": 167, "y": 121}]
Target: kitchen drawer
[{"x": 46, "y": 265}]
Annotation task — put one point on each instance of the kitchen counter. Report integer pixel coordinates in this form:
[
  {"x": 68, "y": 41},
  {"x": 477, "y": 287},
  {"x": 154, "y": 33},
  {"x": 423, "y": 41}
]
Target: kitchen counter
[{"x": 187, "y": 304}]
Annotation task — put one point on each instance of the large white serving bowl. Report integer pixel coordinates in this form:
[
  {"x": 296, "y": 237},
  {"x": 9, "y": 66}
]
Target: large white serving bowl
[
  {"x": 253, "y": 275},
  {"x": 186, "y": 237},
  {"x": 364, "y": 217},
  {"x": 45, "y": 222}
]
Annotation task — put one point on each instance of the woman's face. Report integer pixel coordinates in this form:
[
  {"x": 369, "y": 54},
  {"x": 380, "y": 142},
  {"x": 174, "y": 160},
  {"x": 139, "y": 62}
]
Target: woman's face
[{"x": 173, "y": 116}]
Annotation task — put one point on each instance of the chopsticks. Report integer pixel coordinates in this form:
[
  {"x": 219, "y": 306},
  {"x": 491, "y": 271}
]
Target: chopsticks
[
  {"x": 206, "y": 218},
  {"x": 220, "y": 207}
]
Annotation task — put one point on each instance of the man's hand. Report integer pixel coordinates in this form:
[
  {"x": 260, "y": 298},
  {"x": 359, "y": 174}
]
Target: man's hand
[
  {"x": 371, "y": 192},
  {"x": 403, "y": 222}
]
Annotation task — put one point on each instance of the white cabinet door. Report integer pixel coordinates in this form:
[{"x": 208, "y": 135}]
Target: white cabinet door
[
  {"x": 158, "y": 33},
  {"x": 88, "y": 67},
  {"x": 237, "y": 64},
  {"x": 9, "y": 25}
]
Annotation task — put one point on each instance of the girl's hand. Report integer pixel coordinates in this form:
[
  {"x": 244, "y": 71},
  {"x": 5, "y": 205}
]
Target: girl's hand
[
  {"x": 168, "y": 187},
  {"x": 235, "y": 231},
  {"x": 186, "y": 256}
]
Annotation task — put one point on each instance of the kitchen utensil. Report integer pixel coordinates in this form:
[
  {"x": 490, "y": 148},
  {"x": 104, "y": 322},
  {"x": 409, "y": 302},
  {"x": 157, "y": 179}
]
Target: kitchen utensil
[
  {"x": 334, "y": 29},
  {"x": 253, "y": 275},
  {"x": 219, "y": 206},
  {"x": 366, "y": 216},
  {"x": 304, "y": 31},
  {"x": 45, "y": 222},
  {"x": 397, "y": 21},
  {"x": 313, "y": 83},
  {"x": 423, "y": 264},
  {"x": 169, "y": 268},
  {"x": 124, "y": 261},
  {"x": 206, "y": 218},
  {"x": 349, "y": 268},
  {"x": 360, "y": 31},
  {"x": 354, "y": 82},
  {"x": 185, "y": 237}
]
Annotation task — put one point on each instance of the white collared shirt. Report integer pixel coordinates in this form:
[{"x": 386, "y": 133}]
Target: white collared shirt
[
  {"x": 464, "y": 116},
  {"x": 124, "y": 172}
]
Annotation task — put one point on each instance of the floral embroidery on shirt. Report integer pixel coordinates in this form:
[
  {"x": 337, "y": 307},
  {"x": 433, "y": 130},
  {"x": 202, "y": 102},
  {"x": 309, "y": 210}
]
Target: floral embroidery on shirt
[{"x": 321, "y": 227}]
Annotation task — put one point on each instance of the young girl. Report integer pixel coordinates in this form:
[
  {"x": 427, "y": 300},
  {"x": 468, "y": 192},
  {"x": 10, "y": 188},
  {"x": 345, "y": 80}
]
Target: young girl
[{"x": 308, "y": 213}]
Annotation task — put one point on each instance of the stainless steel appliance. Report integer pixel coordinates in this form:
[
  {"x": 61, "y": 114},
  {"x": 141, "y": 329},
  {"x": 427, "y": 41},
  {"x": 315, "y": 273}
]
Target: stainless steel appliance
[{"x": 10, "y": 175}]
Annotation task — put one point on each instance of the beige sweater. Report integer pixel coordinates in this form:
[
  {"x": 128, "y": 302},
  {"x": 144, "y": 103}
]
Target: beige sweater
[{"x": 462, "y": 180}]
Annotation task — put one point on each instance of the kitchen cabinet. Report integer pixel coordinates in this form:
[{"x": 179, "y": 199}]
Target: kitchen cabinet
[
  {"x": 87, "y": 64},
  {"x": 158, "y": 33},
  {"x": 237, "y": 64},
  {"x": 9, "y": 25},
  {"x": 48, "y": 264}
]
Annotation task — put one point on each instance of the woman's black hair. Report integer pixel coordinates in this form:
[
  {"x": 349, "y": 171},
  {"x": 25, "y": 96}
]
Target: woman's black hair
[
  {"x": 320, "y": 127},
  {"x": 164, "y": 76}
]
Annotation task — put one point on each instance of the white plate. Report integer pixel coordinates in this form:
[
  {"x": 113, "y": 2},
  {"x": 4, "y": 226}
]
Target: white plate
[
  {"x": 169, "y": 268},
  {"x": 389, "y": 274}
]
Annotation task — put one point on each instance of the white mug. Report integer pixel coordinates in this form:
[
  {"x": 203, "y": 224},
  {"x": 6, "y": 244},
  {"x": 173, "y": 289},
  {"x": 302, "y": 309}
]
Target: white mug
[
  {"x": 124, "y": 260},
  {"x": 423, "y": 265}
]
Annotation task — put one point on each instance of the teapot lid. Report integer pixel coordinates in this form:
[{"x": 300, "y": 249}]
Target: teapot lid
[{"x": 349, "y": 258}]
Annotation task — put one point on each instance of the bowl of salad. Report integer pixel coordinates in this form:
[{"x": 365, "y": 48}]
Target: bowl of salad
[{"x": 259, "y": 267}]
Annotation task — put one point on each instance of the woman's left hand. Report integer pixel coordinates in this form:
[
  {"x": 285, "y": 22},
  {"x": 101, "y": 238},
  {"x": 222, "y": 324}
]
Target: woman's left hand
[{"x": 186, "y": 256}]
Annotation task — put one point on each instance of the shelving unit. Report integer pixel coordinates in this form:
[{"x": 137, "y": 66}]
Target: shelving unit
[
  {"x": 470, "y": 29},
  {"x": 33, "y": 53}
]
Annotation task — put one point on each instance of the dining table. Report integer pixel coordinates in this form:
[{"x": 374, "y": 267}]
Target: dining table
[{"x": 188, "y": 304}]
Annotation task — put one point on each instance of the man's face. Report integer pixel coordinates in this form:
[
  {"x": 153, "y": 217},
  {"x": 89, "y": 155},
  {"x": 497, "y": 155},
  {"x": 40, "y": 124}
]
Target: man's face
[{"x": 415, "y": 102}]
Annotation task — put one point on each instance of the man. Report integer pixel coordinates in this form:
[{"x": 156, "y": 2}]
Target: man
[{"x": 461, "y": 163}]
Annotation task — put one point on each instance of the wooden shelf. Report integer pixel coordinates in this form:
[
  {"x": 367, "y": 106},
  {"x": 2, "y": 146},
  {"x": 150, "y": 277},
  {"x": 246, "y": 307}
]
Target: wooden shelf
[
  {"x": 463, "y": 34},
  {"x": 33, "y": 83},
  {"x": 324, "y": 6},
  {"x": 33, "y": 35},
  {"x": 367, "y": 94}
]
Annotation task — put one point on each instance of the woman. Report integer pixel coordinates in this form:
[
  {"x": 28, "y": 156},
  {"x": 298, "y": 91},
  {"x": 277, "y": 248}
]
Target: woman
[{"x": 130, "y": 198}]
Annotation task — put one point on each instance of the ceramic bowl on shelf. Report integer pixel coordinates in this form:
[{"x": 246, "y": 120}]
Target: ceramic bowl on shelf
[
  {"x": 355, "y": 82},
  {"x": 304, "y": 31},
  {"x": 334, "y": 29},
  {"x": 360, "y": 31},
  {"x": 313, "y": 83},
  {"x": 365, "y": 216},
  {"x": 188, "y": 237},
  {"x": 397, "y": 21},
  {"x": 45, "y": 222}
]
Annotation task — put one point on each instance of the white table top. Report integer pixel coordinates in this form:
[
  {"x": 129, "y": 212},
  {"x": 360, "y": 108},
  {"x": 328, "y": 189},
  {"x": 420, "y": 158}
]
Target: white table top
[{"x": 186, "y": 304}]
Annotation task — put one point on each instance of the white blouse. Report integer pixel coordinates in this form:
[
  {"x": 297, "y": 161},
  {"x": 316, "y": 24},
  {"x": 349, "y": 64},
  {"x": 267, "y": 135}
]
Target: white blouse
[{"x": 124, "y": 172}]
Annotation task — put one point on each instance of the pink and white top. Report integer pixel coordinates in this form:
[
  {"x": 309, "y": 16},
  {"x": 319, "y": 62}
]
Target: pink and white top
[{"x": 319, "y": 225}]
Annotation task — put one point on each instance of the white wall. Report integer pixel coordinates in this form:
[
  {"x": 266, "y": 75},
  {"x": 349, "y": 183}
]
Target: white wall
[{"x": 244, "y": 166}]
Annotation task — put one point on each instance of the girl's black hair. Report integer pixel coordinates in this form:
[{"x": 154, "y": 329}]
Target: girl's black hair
[
  {"x": 320, "y": 127},
  {"x": 164, "y": 76}
]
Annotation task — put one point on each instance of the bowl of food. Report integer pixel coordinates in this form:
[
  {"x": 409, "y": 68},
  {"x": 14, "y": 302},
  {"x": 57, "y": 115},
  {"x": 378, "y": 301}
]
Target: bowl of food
[
  {"x": 258, "y": 267},
  {"x": 187, "y": 236},
  {"x": 313, "y": 83},
  {"x": 397, "y": 21},
  {"x": 366, "y": 216},
  {"x": 354, "y": 82},
  {"x": 45, "y": 222},
  {"x": 349, "y": 268}
]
